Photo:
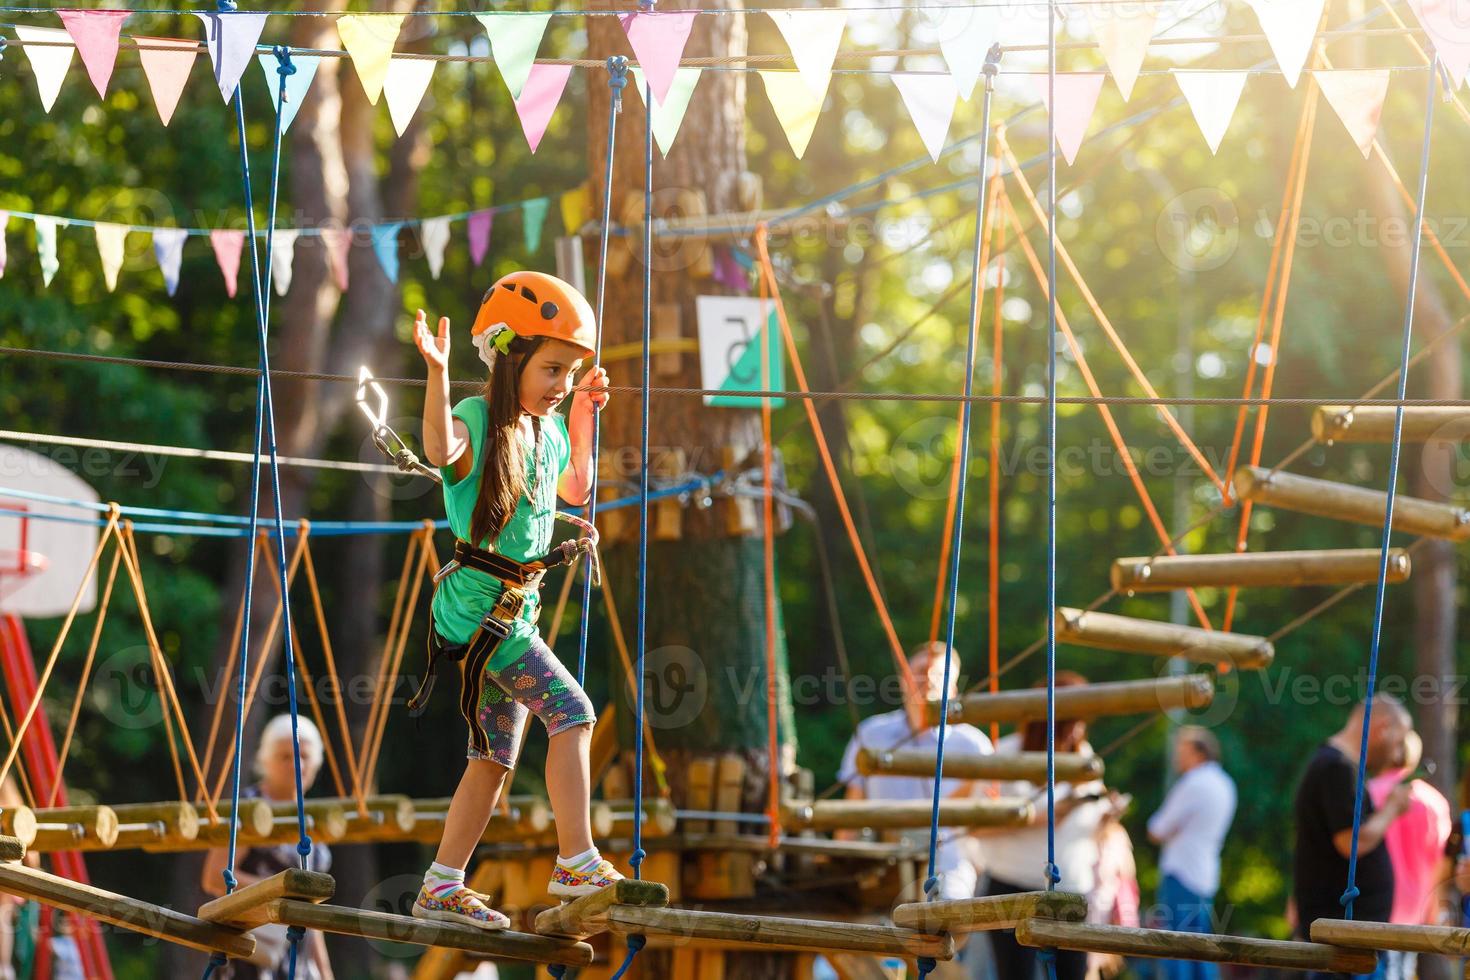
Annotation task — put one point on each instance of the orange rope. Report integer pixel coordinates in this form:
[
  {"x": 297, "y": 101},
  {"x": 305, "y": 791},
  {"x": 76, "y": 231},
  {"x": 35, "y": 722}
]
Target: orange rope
[
  {"x": 994, "y": 475},
  {"x": 906, "y": 676},
  {"x": 20, "y": 769},
  {"x": 949, "y": 515},
  {"x": 656, "y": 763},
  {"x": 219, "y": 702},
  {"x": 768, "y": 549}
]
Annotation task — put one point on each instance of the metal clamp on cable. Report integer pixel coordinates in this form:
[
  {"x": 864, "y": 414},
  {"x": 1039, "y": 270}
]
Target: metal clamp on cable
[{"x": 397, "y": 450}]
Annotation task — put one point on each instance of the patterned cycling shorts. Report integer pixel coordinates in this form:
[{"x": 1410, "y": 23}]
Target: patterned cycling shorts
[{"x": 537, "y": 683}]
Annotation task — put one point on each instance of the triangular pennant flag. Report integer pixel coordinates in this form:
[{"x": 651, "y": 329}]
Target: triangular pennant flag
[
  {"x": 369, "y": 40},
  {"x": 46, "y": 240},
  {"x": 167, "y": 70},
  {"x": 95, "y": 33},
  {"x": 1357, "y": 98},
  {"x": 813, "y": 36},
  {"x": 49, "y": 59},
  {"x": 168, "y": 249},
  {"x": 231, "y": 39},
  {"x": 930, "y": 100},
  {"x": 338, "y": 244},
  {"x": 797, "y": 106},
  {"x": 385, "y": 246},
  {"x": 668, "y": 115},
  {"x": 533, "y": 217},
  {"x": 1123, "y": 33},
  {"x": 407, "y": 81},
  {"x": 479, "y": 230},
  {"x": 228, "y": 245},
  {"x": 297, "y": 85},
  {"x": 576, "y": 204},
  {"x": 110, "y": 240},
  {"x": 4, "y": 219},
  {"x": 1212, "y": 97},
  {"x": 283, "y": 257},
  {"x": 1077, "y": 94},
  {"x": 1290, "y": 26},
  {"x": 434, "y": 234},
  {"x": 965, "y": 37},
  {"x": 1447, "y": 22},
  {"x": 514, "y": 39},
  {"x": 539, "y": 98},
  {"x": 658, "y": 42}
]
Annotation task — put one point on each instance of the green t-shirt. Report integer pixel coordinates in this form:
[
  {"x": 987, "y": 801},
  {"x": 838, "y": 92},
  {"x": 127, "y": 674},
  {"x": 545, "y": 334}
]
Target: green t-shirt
[{"x": 464, "y": 597}]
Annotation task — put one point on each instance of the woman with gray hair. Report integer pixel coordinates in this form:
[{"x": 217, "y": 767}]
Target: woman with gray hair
[{"x": 275, "y": 768}]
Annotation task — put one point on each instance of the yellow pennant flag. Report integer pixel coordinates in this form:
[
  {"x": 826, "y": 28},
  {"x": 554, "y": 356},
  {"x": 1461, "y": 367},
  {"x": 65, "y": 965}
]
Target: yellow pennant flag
[
  {"x": 796, "y": 105},
  {"x": 369, "y": 40}
]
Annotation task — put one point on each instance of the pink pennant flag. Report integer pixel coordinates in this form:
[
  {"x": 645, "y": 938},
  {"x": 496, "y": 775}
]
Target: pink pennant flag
[
  {"x": 1447, "y": 22},
  {"x": 167, "y": 69},
  {"x": 479, "y": 231},
  {"x": 227, "y": 248},
  {"x": 1357, "y": 98},
  {"x": 338, "y": 244},
  {"x": 1077, "y": 94},
  {"x": 95, "y": 33},
  {"x": 539, "y": 98},
  {"x": 658, "y": 42}
]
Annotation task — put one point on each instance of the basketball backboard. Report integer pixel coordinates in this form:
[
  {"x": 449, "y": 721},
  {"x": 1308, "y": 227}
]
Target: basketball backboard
[{"x": 42, "y": 561}]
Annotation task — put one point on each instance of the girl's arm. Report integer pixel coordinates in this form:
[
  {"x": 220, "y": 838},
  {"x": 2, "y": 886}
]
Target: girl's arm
[
  {"x": 575, "y": 485},
  {"x": 446, "y": 439}
]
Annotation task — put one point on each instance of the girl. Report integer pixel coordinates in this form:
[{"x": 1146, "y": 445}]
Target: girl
[{"x": 505, "y": 455}]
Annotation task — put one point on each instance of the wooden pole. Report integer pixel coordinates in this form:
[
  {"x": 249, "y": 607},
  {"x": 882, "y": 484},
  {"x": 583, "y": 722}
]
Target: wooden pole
[
  {"x": 98, "y": 823},
  {"x": 244, "y": 908},
  {"x": 19, "y": 822},
  {"x": 179, "y": 819},
  {"x": 1128, "y": 634},
  {"x": 1357, "y": 505},
  {"x": 896, "y": 814},
  {"x": 1430, "y": 940},
  {"x": 993, "y": 912},
  {"x": 1374, "y": 423},
  {"x": 1083, "y": 701},
  {"x": 1071, "y": 767},
  {"x": 788, "y": 933},
  {"x": 1263, "y": 568},
  {"x": 587, "y": 916},
  {"x": 1209, "y": 948}
]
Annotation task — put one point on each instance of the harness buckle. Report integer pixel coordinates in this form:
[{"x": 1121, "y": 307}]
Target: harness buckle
[{"x": 452, "y": 565}]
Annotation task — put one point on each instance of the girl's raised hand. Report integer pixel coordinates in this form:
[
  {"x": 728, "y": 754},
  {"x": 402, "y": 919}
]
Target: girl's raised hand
[
  {"x": 592, "y": 393},
  {"x": 435, "y": 349}
]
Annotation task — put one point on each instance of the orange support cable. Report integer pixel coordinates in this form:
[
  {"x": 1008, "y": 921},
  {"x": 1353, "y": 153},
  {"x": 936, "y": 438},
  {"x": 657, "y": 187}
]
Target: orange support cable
[{"x": 768, "y": 549}]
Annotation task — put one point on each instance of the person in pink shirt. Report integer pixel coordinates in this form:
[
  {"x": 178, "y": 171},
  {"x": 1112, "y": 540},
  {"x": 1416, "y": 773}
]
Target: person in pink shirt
[{"x": 1416, "y": 843}]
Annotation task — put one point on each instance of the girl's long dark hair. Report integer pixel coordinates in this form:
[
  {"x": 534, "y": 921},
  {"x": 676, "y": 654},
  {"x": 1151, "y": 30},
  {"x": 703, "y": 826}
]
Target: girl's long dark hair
[{"x": 503, "y": 478}]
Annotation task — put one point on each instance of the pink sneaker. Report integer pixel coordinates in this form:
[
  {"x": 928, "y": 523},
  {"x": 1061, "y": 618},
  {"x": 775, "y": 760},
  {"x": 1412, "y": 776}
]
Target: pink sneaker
[
  {"x": 571, "y": 884},
  {"x": 462, "y": 906}
]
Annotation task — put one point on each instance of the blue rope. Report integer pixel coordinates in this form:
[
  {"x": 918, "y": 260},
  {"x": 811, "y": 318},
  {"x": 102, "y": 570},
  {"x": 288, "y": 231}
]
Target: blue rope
[
  {"x": 1351, "y": 892},
  {"x": 617, "y": 78}
]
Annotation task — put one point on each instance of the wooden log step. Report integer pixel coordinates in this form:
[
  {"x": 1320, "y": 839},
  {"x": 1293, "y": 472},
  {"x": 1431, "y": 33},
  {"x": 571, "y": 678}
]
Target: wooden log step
[
  {"x": 1357, "y": 505},
  {"x": 779, "y": 931},
  {"x": 19, "y": 822},
  {"x": 992, "y": 912},
  {"x": 1374, "y": 423},
  {"x": 1161, "y": 944},
  {"x": 1430, "y": 940},
  {"x": 1261, "y": 568},
  {"x": 51, "y": 837},
  {"x": 119, "y": 910},
  {"x": 283, "y": 830},
  {"x": 329, "y": 819},
  {"x": 1082, "y": 701},
  {"x": 368, "y": 924},
  {"x": 255, "y": 815},
  {"x": 891, "y": 814},
  {"x": 1128, "y": 634},
  {"x": 244, "y": 908},
  {"x": 98, "y": 823},
  {"x": 659, "y": 818},
  {"x": 140, "y": 834},
  {"x": 179, "y": 819},
  {"x": 587, "y": 916},
  {"x": 1071, "y": 767},
  {"x": 395, "y": 808}
]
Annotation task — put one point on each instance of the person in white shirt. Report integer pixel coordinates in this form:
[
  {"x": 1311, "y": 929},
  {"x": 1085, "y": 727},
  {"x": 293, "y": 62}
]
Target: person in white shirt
[{"x": 1191, "y": 825}]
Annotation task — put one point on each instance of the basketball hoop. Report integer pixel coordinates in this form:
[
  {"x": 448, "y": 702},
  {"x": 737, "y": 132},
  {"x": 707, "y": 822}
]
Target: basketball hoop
[{"x": 43, "y": 563}]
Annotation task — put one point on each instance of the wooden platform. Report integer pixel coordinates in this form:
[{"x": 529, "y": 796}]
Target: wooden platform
[
  {"x": 991, "y": 912},
  {"x": 244, "y": 908},
  {"x": 1082, "y": 701},
  {"x": 1162, "y": 944},
  {"x": 1128, "y": 634},
  {"x": 1374, "y": 423},
  {"x": 587, "y": 916},
  {"x": 1356, "y": 505},
  {"x": 779, "y": 932},
  {"x": 1274, "y": 569},
  {"x": 119, "y": 910},
  {"x": 1430, "y": 940},
  {"x": 1071, "y": 767}
]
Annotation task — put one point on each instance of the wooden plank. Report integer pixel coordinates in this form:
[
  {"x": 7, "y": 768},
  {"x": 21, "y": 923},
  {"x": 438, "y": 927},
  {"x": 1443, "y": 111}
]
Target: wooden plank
[
  {"x": 1082, "y": 701},
  {"x": 779, "y": 931},
  {"x": 1161, "y": 944},
  {"x": 1356, "y": 505},
  {"x": 729, "y": 790},
  {"x": 244, "y": 908},
  {"x": 367, "y": 924},
  {"x": 699, "y": 792},
  {"x": 587, "y": 916},
  {"x": 1129, "y": 634},
  {"x": 859, "y": 814},
  {"x": 1071, "y": 767},
  {"x": 1277, "y": 569},
  {"x": 119, "y": 910},
  {"x": 991, "y": 912},
  {"x": 1374, "y": 423},
  {"x": 1431, "y": 940},
  {"x": 98, "y": 823}
]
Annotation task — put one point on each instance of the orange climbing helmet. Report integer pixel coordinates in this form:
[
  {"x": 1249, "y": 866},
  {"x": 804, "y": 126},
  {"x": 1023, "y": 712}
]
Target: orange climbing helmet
[{"x": 534, "y": 304}]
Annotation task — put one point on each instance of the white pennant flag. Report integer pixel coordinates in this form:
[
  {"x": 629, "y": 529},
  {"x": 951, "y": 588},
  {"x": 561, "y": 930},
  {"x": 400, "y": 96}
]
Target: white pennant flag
[
  {"x": 965, "y": 37},
  {"x": 110, "y": 240},
  {"x": 49, "y": 59},
  {"x": 404, "y": 86},
  {"x": 1357, "y": 98},
  {"x": 1290, "y": 27},
  {"x": 46, "y": 246},
  {"x": 1123, "y": 33},
  {"x": 434, "y": 233},
  {"x": 1212, "y": 97},
  {"x": 283, "y": 254},
  {"x": 168, "y": 249},
  {"x": 930, "y": 100},
  {"x": 813, "y": 36}
]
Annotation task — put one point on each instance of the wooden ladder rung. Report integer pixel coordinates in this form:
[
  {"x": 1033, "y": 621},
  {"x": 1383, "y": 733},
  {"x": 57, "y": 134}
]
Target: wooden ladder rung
[
  {"x": 587, "y": 916},
  {"x": 1374, "y": 423},
  {"x": 1430, "y": 940},
  {"x": 1280, "y": 569},
  {"x": 1071, "y": 767},
  {"x": 1357, "y": 505},
  {"x": 1082, "y": 701},
  {"x": 1161, "y": 944},
  {"x": 1128, "y": 634},
  {"x": 244, "y": 908},
  {"x": 779, "y": 931},
  {"x": 897, "y": 814},
  {"x": 990, "y": 912}
]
